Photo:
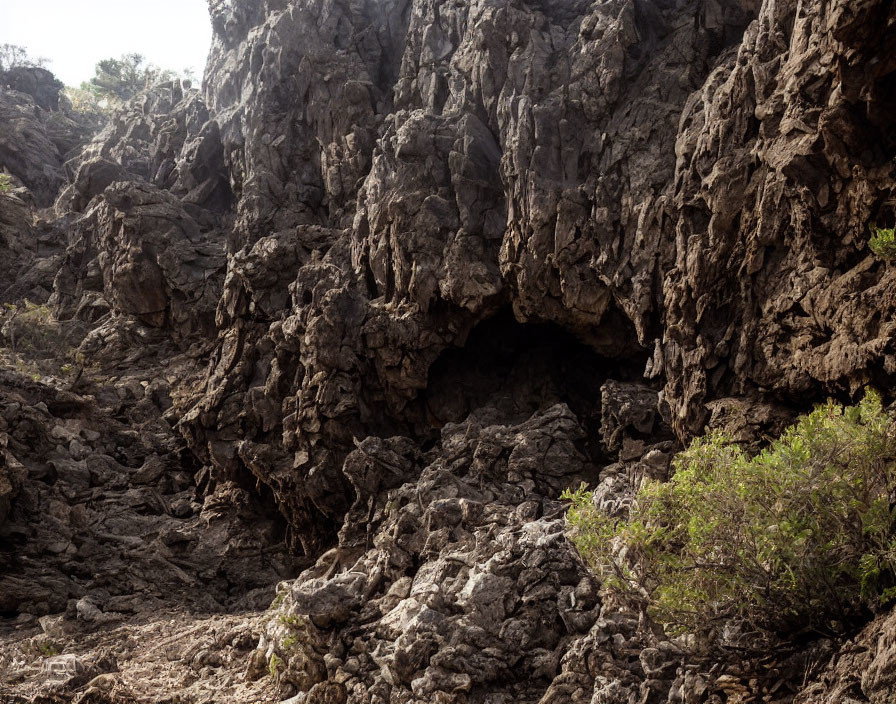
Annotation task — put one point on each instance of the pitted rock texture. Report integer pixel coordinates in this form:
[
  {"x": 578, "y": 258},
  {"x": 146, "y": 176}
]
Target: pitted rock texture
[
  {"x": 658, "y": 180},
  {"x": 98, "y": 501},
  {"x": 435, "y": 262},
  {"x": 118, "y": 570},
  {"x": 162, "y": 136},
  {"x": 38, "y": 130},
  {"x": 784, "y": 164},
  {"x": 863, "y": 671},
  {"x": 640, "y": 174},
  {"x": 145, "y": 214},
  {"x": 156, "y": 262},
  {"x": 457, "y": 583}
]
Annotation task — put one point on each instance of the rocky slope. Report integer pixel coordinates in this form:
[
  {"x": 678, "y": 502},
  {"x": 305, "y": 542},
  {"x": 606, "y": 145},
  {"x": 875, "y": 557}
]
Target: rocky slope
[{"x": 403, "y": 272}]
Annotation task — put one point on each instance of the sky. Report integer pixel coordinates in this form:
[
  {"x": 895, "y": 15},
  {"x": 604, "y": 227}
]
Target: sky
[{"x": 76, "y": 34}]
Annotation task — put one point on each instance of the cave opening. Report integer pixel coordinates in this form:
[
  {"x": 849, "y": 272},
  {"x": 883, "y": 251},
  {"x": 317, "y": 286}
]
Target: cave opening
[{"x": 519, "y": 368}]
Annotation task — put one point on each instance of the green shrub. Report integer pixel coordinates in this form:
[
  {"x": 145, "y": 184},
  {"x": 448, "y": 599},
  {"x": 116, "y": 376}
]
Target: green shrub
[
  {"x": 5, "y": 183},
  {"x": 29, "y": 330},
  {"x": 49, "y": 649},
  {"x": 274, "y": 666},
  {"x": 883, "y": 243},
  {"x": 801, "y": 534},
  {"x": 34, "y": 343},
  {"x": 292, "y": 621}
]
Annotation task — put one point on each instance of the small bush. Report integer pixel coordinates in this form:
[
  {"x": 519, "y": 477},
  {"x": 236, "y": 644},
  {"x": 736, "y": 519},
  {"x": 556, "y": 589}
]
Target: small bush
[
  {"x": 34, "y": 343},
  {"x": 5, "y": 183},
  {"x": 883, "y": 243},
  {"x": 31, "y": 328},
  {"x": 292, "y": 621},
  {"x": 801, "y": 534},
  {"x": 274, "y": 666},
  {"x": 49, "y": 649}
]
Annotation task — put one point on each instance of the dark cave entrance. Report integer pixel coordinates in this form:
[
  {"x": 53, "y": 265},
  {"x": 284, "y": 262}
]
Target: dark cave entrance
[{"x": 518, "y": 368}]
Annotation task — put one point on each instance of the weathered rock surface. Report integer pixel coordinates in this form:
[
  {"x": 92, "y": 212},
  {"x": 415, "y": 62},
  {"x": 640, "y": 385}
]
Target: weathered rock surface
[
  {"x": 156, "y": 262},
  {"x": 784, "y": 163},
  {"x": 145, "y": 211},
  {"x": 164, "y": 137},
  {"x": 459, "y": 581},
  {"x": 435, "y": 262},
  {"x": 103, "y": 528},
  {"x": 524, "y": 156},
  {"x": 38, "y": 130},
  {"x": 100, "y": 503},
  {"x": 864, "y": 670}
]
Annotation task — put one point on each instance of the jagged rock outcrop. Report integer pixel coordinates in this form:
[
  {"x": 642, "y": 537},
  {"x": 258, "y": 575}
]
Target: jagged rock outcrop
[
  {"x": 498, "y": 595},
  {"x": 155, "y": 261},
  {"x": 16, "y": 238},
  {"x": 98, "y": 504},
  {"x": 785, "y": 163},
  {"x": 523, "y": 155},
  {"x": 864, "y": 670},
  {"x": 436, "y": 262},
  {"x": 38, "y": 130},
  {"x": 164, "y": 137},
  {"x": 149, "y": 194},
  {"x": 619, "y": 170}
]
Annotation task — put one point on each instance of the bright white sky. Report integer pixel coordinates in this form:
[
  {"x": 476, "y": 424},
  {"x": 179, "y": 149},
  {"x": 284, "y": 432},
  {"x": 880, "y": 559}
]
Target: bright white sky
[{"x": 75, "y": 34}]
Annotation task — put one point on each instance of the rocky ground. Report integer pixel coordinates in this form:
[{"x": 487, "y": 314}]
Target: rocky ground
[{"x": 296, "y": 368}]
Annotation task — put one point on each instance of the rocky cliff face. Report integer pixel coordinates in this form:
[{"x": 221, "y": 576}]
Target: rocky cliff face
[
  {"x": 40, "y": 131},
  {"x": 423, "y": 265}
]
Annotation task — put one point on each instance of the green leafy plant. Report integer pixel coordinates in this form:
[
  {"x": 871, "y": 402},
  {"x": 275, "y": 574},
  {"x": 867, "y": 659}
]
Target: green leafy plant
[
  {"x": 116, "y": 81},
  {"x": 883, "y": 243},
  {"x": 49, "y": 649},
  {"x": 44, "y": 648},
  {"x": 274, "y": 665},
  {"x": 802, "y": 533},
  {"x": 5, "y": 183},
  {"x": 292, "y": 621}
]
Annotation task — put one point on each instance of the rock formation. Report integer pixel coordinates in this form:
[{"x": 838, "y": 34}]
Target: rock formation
[
  {"x": 40, "y": 130},
  {"x": 403, "y": 272}
]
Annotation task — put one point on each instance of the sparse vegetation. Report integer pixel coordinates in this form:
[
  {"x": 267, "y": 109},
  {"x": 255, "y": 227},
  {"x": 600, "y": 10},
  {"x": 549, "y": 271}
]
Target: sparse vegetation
[
  {"x": 5, "y": 183},
  {"x": 274, "y": 665},
  {"x": 883, "y": 243},
  {"x": 14, "y": 56},
  {"x": 279, "y": 599},
  {"x": 801, "y": 534},
  {"x": 88, "y": 104},
  {"x": 43, "y": 648},
  {"x": 49, "y": 649},
  {"x": 34, "y": 343},
  {"x": 292, "y": 621},
  {"x": 31, "y": 328},
  {"x": 118, "y": 80}
]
